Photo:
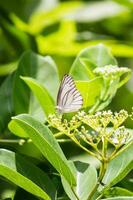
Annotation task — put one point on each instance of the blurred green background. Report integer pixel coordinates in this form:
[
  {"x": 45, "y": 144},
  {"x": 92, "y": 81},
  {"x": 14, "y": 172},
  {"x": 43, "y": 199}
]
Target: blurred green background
[{"x": 62, "y": 28}]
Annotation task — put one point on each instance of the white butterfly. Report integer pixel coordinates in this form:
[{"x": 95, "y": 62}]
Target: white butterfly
[{"x": 69, "y": 98}]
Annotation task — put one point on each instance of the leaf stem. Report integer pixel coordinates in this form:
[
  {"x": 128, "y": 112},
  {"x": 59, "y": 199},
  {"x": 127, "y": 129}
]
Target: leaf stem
[
  {"x": 56, "y": 135},
  {"x": 12, "y": 141},
  {"x": 85, "y": 149},
  {"x": 92, "y": 145},
  {"x": 75, "y": 193},
  {"x": 121, "y": 150},
  {"x": 64, "y": 140},
  {"x": 101, "y": 175},
  {"x": 103, "y": 167}
]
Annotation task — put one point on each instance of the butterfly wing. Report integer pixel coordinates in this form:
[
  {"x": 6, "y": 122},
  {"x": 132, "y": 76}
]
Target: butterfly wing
[{"x": 69, "y": 98}]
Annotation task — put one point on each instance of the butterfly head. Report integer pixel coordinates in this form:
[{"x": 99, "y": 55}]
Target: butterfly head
[{"x": 59, "y": 110}]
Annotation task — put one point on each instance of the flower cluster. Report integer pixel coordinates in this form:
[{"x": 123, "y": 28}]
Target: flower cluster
[
  {"x": 64, "y": 125},
  {"x": 57, "y": 122},
  {"x": 111, "y": 71},
  {"x": 93, "y": 127},
  {"x": 121, "y": 136}
]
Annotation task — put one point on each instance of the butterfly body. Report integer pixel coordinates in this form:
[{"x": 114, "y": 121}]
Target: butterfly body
[{"x": 69, "y": 98}]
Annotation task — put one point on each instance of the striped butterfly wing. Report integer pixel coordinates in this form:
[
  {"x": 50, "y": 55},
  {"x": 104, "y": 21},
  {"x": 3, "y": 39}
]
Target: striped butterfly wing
[{"x": 69, "y": 98}]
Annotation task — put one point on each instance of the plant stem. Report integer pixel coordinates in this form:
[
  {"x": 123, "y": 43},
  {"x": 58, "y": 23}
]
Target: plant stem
[
  {"x": 85, "y": 149},
  {"x": 93, "y": 191},
  {"x": 94, "y": 108},
  {"x": 104, "y": 163},
  {"x": 64, "y": 140},
  {"x": 12, "y": 141},
  {"x": 92, "y": 145},
  {"x": 56, "y": 135},
  {"x": 78, "y": 143},
  {"x": 99, "y": 197},
  {"x": 101, "y": 175},
  {"x": 75, "y": 193},
  {"x": 104, "y": 147},
  {"x": 120, "y": 151},
  {"x": 102, "y": 169}
]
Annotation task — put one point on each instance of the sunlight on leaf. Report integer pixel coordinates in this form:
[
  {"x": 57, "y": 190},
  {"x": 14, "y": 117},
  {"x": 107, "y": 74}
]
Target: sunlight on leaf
[{"x": 43, "y": 138}]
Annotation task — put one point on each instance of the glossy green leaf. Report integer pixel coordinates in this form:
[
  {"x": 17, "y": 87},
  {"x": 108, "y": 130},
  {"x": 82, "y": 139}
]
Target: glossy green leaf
[
  {"x": 117, "y": 191},
  {"x": 107, "y": 93},
  {"x": 90, "y": 90},
  {"x": 86, "y": 177},
  {"x": 42, "y": 95},
  {"x": 119, "y": 167},
  {"x": 17, "y": 129},
  {"x": 127, "y": 183},
  {"x": 43, "y": 69},
  {"x": 7, "y": 68},
  {"x": 97, "y": 56},
  {"x": 16, "y": 96},
  {"x": 43, "y": 138},
  {"x": 86, "y": 67},
  {"x": 25, "y": 175},
  {"x": 6, "y": 109}
]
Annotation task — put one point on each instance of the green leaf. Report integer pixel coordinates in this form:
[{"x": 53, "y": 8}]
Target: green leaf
[
  {"x": 42, "y": 95},
  {"x": 107, "y": 93},
  {"x": 86, "y": 67},
  {"x": 86, "y": 176},
  {"x": 117, "y": 191},
  {"x": 7, "y": 190},
  {"x": 19, "y": 40},
  {"x": 41, "y": 20},
  {"x": 24, "y": 10},
  {"x": 97, "y": 56},
  {"x": 43, "y": 69},
  {"x": 90, "y": 90},
  {"x": 127, "y": 183},
  {"x": 7, "y": 68},
  {"x": 6, "y": 109},
  {"x": 43, "y": 138},
  {"x": 16, "y": 96},
  {"x": 119, "y": 167},
  {"x": 25, "y": 175},
  {"x": 17, "y": 129}
]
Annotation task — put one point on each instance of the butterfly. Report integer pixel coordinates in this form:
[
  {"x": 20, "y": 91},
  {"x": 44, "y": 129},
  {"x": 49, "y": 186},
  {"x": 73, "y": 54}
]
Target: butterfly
[{"x": 69, "y": 98}]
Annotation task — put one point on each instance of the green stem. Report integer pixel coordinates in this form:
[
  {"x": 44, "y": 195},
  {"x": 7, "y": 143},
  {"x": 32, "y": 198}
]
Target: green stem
[
  {"x": 85, "y": 149},
  {"x": 99, "y": 197},
  {"x": 12, "y": 141},
  {"x": 104, "y": 147},
  {"x": 102, "y": 170},
  {"x": 56, "y": 135},
  {"x": 92, "y": 145},
  {"x": 104, "y": 163},
  {"x": 101, "y": 175},
  {"x": 93, "y": 191},
  {"x": 64, "y": 140},
  {"x": 75, "y": 193},
  {"x": 94, "y": 108},
  {"x": 120, "y": 151}
]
